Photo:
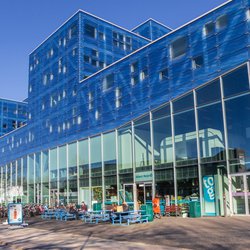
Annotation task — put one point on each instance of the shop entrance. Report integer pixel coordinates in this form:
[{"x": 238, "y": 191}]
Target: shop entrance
[
  {"x": 241, "y": 193},
  {"x": 144, "y": 192}
]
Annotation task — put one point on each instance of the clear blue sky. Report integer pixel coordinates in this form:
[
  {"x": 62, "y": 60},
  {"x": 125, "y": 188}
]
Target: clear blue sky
[{"x": 24, "y": 24}]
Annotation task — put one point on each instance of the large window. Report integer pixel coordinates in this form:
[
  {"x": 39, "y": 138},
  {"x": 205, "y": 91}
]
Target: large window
[
  {"x": 179, "y": 47},
  {"x": 45, "y": 178},
  {"x": 238, "y": 129},
  {"x": 31, "y": 178},
  {"x": 109, "y": 158},
  {"x": 96, "y": 168},
  {"x": 209, "y": 93},
  {"x": 163, "y": 152},
  {"x": 83, "y": 163},
  {"x": 53, "y": 168},
  {"x": 125, "y": 149},
  {"x": 72, "y": 164},
  {"x": 185, "y": 138},
  {"x": 211, "y": 133},
  {"x": 143, "y": 149},
  {"x": 236, "y": 81},
  {"x": 184, "y": 103},
  {"x": 63, "y": 174}
]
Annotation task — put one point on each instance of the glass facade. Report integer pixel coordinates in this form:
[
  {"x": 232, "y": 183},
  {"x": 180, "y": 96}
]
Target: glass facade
[
  {"x": 181, "y": 135},
  {"x": 175, "y": 151}
]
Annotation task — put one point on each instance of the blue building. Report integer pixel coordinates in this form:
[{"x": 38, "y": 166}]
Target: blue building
[
  {"x": 13, "y": 115},
  {"x": 117, "y": 115}
]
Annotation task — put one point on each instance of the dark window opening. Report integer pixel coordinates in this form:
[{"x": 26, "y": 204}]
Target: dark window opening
[
  {"x": 90, "y": 30},
  {"x": 179, "y": 47},
  {"x": 197, "y": 62}
]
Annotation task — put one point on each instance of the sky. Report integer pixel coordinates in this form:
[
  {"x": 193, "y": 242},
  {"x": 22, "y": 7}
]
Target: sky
[{"x": 24, "y": 24}]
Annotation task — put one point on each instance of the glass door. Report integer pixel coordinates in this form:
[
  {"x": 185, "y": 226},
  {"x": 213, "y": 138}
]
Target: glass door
[
  {"x": 144, "y": 193},
  {"x": 241, "y": 194}
]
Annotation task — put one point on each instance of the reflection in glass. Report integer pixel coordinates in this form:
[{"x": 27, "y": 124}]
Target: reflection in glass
[
  {"x": 163, "y": 148},
  {"x": 25, "y": 179},
  {"x": 125, "y": 149},
  {"x": 31, "y": 179},
  {"x": 72, "y": 164},
  {"x": 83, "y": 163},
  {"x": 238, "y": 129},
  {"x": 62, "y": 175},
  {"x": 184, "y": 103},
  {"x": 239, "y": 206},
  {"x": 208, "y": 93},
  {"x": 143, "y": 154},
  {"x": 185, "y": 138},
  {"x": 109, "y": 158},
  {"x": 38, "y": 178},
  {"x": 53, "y": 177},
  {"x": 45, "y": 178},
  {"x": 96, "y": 168},
  {"x": 236, "y": 81},
  {"x": 211, "y": 133}
]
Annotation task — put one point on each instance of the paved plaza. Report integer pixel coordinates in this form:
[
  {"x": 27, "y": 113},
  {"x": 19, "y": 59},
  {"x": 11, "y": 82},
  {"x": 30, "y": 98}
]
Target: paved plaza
[{"x": 167, "y": 233}]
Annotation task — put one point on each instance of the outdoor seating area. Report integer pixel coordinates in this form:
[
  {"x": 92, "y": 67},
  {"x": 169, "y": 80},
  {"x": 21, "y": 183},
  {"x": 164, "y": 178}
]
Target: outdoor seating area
[{"x": 113, "y": 216}]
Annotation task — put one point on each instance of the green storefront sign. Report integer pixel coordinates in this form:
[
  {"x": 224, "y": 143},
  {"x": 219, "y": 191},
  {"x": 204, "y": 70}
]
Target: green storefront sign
[{"x": 143, "y": 176}]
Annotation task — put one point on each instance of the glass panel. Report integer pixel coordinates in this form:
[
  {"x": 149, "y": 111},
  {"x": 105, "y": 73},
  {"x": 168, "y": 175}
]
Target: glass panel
[
  {"x": 164, "y": 180},
  {"x": 162, "y": 112},
  {"x": 211, "y": 133},
  {"x": 53, "y": 177},
  {"x": 19, "y": 172},
  {"x": 31, "y": 179},
  {"x": 83, "y": 163},
  {"x": 45, "y": 178},
  {"x": 238, "y": 127},
  {"x": 13, "y": 173},
  {"x": 187, "y": 182},
  {"x": 208, "y": 93},
  {"x": 109, "y": 153},
  {"x": 25, "y": 179},
  {"x": 143, "y": 150},
  {"x": 185, "y": 138},
  {"x": 96, "y": 157},
  {"x": 163, "y": 148},
  {"x": 184, "y": 103},
  {"x": 38, "y": 178},
  {"x": 72, "y": 158},
  {"x": 128, "y": 193},
  {"x": 109, "y": 158},
  {"x": 125, "y": 149},
  {"x": 62, "y": 160},
  {"x": 96, "y": 168},
  {"x": 236, "y": 81},
  {"x": 239, "y": 206}
]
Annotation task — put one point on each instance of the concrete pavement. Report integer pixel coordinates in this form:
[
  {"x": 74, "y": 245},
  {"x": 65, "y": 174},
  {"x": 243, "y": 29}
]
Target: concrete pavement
[{"x": 167, "y": 233}]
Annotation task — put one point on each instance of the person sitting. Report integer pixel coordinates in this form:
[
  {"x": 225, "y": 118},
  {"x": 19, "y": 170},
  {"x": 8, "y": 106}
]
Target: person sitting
[
  {"x": 84, "y": 207},
  {"x": 125, "y": 206},
  {"x": 73, "y": 210}
]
